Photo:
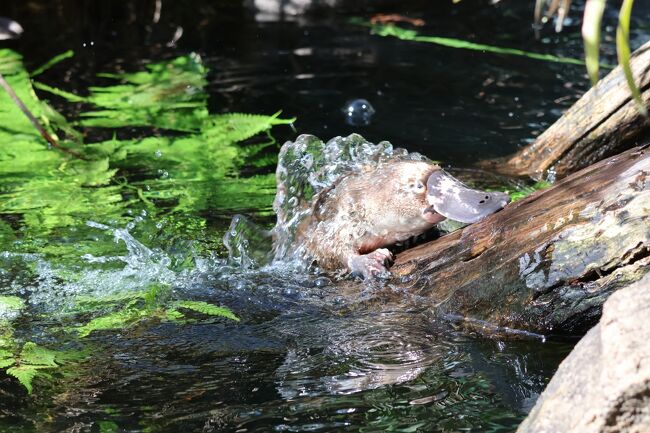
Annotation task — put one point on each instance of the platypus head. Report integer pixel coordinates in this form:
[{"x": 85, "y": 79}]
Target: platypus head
[
  {"x": 405, "y": 198},
  {"x": 452, "y": 199}
]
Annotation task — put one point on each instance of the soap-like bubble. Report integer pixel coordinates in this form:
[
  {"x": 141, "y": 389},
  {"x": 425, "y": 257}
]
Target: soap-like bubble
[{"x": 358, "y": 112}]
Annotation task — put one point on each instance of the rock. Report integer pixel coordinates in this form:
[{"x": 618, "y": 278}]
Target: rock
[{"x": 604, "y": 383}]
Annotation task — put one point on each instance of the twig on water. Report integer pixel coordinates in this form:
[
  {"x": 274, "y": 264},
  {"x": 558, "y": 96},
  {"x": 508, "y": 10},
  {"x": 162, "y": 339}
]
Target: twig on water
[{"x": 10, "y": 91}]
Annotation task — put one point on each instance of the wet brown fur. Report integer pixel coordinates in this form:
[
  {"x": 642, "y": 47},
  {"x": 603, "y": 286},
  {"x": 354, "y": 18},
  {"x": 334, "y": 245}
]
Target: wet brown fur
[{"x": 365, "y": 211}]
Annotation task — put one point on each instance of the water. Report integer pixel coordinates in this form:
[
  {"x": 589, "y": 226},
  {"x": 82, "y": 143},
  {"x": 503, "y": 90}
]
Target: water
[{"x": 310, "y": 353}]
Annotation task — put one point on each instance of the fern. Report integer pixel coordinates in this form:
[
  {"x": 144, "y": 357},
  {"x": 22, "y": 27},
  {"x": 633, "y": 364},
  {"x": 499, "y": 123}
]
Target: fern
[
  {"x": 87, "y": 302},
  {"x": 31, "y": 362},
  {"x": 37, "y": 355},
  {"x": 168, "y": 95},
  {"x": 208, "y": 309},
  {"x": 25, "y": 375},
  {"x": 235, "y": 127},
  {"x": 117, "y": 320},
  {"x": 6, "y": 358},
  {"x": 173, "y": 315}
]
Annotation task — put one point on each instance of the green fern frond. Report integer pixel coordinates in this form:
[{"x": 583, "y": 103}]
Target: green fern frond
[
  {"x": 86, "y": 303},
  {"x": 25, "y": 375},
  {"x": 173, "y": 315},
  {"x": 208, "y": 309},
  {"x": 6, "y": 358},
  {"x": 35, "y": 355},
  {"x": 167, "y": 95},
  {"x": 10, "y": 62},
  {"x": 118, "y": 320},
  {"x": 31, "y": 362},
  {"x": 236, "y": 127}
]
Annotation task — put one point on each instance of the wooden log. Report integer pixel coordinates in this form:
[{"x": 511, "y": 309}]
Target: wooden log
[
  {"x": 548, "y": 262},
  {"x": 604, "y": 122}
]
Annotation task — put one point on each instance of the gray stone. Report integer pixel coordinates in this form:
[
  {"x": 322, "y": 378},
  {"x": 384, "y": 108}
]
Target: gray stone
[{"x": 604, "y": 383}]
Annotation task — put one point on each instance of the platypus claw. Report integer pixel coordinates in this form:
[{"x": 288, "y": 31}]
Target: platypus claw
[{"x": 372, "y": 264}]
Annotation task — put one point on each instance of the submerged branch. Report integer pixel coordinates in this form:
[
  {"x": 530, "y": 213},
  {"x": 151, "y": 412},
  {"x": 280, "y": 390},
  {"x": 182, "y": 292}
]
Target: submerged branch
[{"x": 10, "y": 91}]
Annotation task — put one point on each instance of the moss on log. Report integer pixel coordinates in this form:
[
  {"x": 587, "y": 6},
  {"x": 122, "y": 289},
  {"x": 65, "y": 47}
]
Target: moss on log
[
  {"x": 546, "y": 263},
  {"x": 604, "y": 122}
]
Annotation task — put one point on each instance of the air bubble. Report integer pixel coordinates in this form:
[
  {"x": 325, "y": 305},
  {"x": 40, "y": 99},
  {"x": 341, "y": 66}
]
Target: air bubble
[{"x": 358, "y": 112}]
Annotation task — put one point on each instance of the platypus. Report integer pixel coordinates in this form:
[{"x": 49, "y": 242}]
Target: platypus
[{"x": 371, "y": 204}]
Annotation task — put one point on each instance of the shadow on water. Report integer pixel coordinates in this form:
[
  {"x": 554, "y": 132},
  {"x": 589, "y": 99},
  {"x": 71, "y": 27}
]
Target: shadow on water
[{"x": 152, "y": 208}]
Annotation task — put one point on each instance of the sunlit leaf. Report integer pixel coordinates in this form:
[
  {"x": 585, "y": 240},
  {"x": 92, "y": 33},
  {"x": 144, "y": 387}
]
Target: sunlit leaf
[
  {"x": 53, "y": 61},
  {"x": 208, "y": 309},
  {"x": 591, "y": 35},
  {"x": 33, "y": 354},
  {"x": 412, "y": 35},
  {"x": 25, "y": 374},
  {"x": 623, "y": 50},
  {"x": 6, "y": 358},
  {"x": 118, "y": 320},
  {"x": 528, "y": 190}
]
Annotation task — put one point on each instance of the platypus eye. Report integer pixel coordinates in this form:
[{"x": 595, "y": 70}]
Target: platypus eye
[{"x": 417, "y": 187}]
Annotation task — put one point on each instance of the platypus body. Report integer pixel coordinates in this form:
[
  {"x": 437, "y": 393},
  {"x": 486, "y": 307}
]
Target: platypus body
[{"x": 348, "y": 223}]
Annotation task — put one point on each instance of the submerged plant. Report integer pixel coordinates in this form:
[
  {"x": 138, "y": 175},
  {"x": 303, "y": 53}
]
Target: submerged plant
[
  {"x": 26, "y": 361},
  {"x": 174, "y": 179},
  {"x": 412, "y": 35},
  {"x": 528, "y": 190},
  {"x": 152, "y": 303},
  {"x": 24, "y": 366},
  {"x": 591, "y": 29}
]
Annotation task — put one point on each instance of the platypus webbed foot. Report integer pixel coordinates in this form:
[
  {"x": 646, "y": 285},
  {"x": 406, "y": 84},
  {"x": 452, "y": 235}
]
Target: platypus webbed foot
[{"x": 372, "y": 264}]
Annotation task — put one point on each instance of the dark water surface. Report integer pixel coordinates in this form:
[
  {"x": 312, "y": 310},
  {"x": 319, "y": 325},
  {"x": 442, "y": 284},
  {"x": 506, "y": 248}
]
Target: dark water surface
[{"x": 304, "y": 357}]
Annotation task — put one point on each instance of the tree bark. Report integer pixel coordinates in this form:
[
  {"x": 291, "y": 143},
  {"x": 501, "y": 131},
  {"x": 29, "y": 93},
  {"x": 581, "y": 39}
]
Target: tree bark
[
  {"x": 604, "y": 122},
  {"x": 548, "y": 262}
]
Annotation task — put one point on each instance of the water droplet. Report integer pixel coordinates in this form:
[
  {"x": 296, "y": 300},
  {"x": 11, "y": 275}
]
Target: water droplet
[
  {"x": 358, "y": 112},
  {"x": 158, "y": 153},
  {"x": 322, "y": 282}
]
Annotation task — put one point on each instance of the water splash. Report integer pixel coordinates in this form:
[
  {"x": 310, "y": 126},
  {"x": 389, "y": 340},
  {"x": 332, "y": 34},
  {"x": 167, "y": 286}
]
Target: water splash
[{"x": 306, "y": 167}]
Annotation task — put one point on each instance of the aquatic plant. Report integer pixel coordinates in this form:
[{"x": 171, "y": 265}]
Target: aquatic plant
[
  {"x": 525, "y": 191},
  {"x": 545, "y": 9},
  {"x": 26, "y": 361},
  {"x": 33, "y": 361},
  {"x": 170, "y": 178},
  {"x": 591, "y": 29},
  {"x": 152, "y": 303},
  {"x": 412, "y": 35}
]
